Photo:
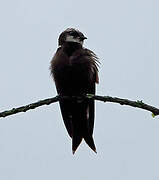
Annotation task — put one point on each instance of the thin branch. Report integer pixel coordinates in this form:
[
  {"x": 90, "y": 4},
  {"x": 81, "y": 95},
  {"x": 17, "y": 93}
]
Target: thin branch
[{"x": 137, "y": 104}]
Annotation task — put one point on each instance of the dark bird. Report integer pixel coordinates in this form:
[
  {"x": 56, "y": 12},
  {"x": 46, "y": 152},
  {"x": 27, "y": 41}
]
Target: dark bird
[{"x": 75, "y": 72}]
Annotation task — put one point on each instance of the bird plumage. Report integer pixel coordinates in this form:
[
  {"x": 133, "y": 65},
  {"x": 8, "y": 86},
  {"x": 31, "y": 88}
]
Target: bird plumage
[{"x": 75, "y": 72}]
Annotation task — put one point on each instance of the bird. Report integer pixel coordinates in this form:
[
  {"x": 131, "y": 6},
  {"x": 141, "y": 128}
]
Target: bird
[{"x": 74, "y": 70}]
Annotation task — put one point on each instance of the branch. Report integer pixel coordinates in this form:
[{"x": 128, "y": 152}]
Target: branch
[{"x": 137, "y": 104}]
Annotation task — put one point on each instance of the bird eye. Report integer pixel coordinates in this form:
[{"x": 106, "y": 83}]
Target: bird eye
[{"x": 75, "y": 34}]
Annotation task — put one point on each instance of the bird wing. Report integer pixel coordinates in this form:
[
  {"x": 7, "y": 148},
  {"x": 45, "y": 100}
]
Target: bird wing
[
  {"x": 60, "y": 73},
  {"x": 85, "y": 73}
]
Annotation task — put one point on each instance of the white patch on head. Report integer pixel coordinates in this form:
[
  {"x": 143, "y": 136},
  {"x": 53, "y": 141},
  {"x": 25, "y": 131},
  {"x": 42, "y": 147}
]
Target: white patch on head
[{"x": 73, "y": 39}]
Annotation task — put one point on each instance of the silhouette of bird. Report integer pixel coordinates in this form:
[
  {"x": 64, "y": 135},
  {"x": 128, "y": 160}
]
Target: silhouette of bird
[{"x": 75, "y": 72}]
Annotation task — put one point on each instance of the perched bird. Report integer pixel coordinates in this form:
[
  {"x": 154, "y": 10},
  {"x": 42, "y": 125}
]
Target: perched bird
[{"x": 75, "y": 72}]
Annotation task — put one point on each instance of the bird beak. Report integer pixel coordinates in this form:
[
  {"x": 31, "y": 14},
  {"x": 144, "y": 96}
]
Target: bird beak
[{"x": 83, "y": 38}]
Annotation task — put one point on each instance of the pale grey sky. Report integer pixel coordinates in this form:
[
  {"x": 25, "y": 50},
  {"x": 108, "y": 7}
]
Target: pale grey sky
[{"x": 124, "y": 35}]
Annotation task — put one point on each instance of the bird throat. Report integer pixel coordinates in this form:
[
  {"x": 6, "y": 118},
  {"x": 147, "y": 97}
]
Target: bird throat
[{"x": 73, "y": 39}]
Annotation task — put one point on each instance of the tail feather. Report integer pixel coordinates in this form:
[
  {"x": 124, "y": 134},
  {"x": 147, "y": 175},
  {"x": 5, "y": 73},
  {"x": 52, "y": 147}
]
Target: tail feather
[
  {"x": 81, "y": 126},
  {"x": 76, "y": 140},
  {"x": 89, "y": 140}
]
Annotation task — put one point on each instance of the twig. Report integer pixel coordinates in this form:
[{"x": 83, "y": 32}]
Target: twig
[{"x": 137, "y": 104}]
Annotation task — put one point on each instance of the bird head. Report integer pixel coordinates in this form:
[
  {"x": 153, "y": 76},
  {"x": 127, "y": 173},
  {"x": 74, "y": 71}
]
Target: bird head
[{"x": 71, "y": 35}]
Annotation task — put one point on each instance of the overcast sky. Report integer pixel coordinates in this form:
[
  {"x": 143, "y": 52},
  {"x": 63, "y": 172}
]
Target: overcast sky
[{"x": 125, "y": 36}]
